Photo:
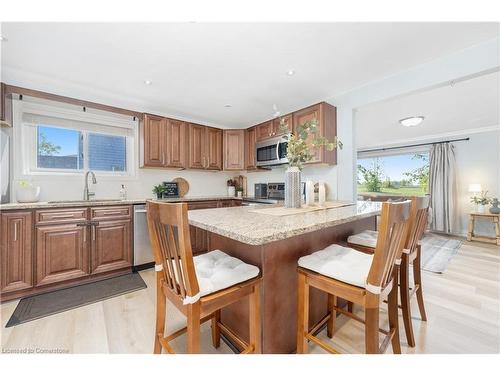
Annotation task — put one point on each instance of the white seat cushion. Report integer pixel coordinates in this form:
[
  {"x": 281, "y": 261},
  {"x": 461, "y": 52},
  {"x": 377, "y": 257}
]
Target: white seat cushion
[
  {"x": 340, "y": 263},
  {"x": 216, "y": 271},
  {"x": 366, "y": 238}
]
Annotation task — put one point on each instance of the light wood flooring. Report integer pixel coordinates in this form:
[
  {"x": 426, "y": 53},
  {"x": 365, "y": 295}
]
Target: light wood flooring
[{"x": 463, "y": 309}]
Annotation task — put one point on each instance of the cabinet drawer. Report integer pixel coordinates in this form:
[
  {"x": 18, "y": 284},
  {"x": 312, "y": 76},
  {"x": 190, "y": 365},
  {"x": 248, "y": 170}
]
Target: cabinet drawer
[
  {"x": 68, "y": 215},
  {"x": 114, "y": 212},
  {"x": 202, "y": 204}
]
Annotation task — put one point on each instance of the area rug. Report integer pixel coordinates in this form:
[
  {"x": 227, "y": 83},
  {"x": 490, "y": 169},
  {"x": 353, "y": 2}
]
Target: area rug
[
  {"x": 437, "y": 251},
  {"x": 36, "y": 307}
]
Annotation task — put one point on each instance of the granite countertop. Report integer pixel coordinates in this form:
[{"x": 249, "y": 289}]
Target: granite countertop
[
  {"x": 239, "y": 224},
  {"x": 104, "y": 202}
]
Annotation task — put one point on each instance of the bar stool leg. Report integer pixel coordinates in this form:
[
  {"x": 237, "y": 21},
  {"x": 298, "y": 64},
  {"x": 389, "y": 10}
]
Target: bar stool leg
[
  {"x": 350, "y": 306},
  {"x": 193, "y": 328},
  {"x": 371, "y": 330},
  {"x": 255, "y": 323},
  {"x": 302, "y": 314},
  {"x": 330, "y": 328},
  {"x": 392, "y": 305},
  {"x": 161, "y": 310},
  {"x": 404, "y": 287},
  {"x": 417, "y": 277},
  {"x": 216, "y": 329}
]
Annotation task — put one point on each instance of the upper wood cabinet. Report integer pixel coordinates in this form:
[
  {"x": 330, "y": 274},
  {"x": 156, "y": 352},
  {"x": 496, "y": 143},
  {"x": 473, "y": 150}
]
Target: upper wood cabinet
[
  {"x": 164, "y": 142},
  {"x": 287, "y": 120},
  {"x": 264, "y": 130},
  {"x": 154, "y": 140},
  {"x": 250, "y": 140},
  {"x": 326, "y": 115},
  {"x": 175, "y": 144},
  {"x": 205, "y": 147},
  {"x": 16, "y": 251},
  {"x": 234, "y": 150}
]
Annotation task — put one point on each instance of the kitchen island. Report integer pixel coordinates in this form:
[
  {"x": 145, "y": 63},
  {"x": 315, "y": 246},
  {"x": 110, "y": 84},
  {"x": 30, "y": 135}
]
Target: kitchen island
[{"x": 274, "y": 244}]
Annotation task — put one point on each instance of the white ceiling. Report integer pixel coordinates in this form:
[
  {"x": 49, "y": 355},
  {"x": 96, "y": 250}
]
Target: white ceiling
[
  {"x": 198, "y": 68},
  {"x": 460, "y": 108}
]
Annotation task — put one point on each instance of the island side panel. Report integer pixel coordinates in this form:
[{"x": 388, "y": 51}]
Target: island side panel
[{"x": 278, "y": 263}]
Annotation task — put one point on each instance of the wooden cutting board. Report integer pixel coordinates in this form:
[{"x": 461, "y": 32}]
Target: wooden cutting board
[{"x": 183, "y": 186}]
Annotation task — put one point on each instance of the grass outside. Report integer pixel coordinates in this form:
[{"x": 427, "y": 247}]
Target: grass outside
[{"x": 405, "y": 190}]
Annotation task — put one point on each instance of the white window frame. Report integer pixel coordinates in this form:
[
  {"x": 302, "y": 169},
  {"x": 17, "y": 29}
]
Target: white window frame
[{"x": 83, "y": 122}]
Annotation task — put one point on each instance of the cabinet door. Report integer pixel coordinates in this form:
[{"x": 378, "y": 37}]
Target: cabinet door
[
  {"x": 234, "y": 150},
  {"x": 176, "y": 144},
  {"x": 196, "y": 141},
  {"x": 250, "y": 138},
  {"x": 199, "y": 239},
  {"x": 111, "y": 246},
  {"x": 288, "y": 121},
  {"x": 214, "y": 149},
  {"x": 16, "y": 251},
  {"x": 307, "y": 114},
  {"x": 264, "y": 130},
  {"x": 61, "y": 253},
  {"x": 154, "y": 141}
]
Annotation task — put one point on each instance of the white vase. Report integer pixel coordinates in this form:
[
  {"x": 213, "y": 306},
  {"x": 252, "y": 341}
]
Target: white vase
[
  {"x": 231, "y": 191},
  {"x": 28, "y": 194},
  {"x": 292, "y": 188},
  {"x": 321, "y": 193},
  {"x": 309, "y": 193},
  {"x": 481, "y": 208}
]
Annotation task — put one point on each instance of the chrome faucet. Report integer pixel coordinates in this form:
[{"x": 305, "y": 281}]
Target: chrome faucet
[{"x": 86, "y": 193}]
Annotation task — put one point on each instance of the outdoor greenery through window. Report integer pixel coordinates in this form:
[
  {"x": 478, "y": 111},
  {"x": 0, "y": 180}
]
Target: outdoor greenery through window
[
  {"x": 394, "y": 175},
  {"x": 70, "y": 149}
]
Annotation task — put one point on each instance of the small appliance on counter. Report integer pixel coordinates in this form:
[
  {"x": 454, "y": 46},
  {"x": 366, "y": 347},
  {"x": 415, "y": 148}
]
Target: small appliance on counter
[
  {"x": 260, "y": 191},
  {"x": 276, "y": 190}
]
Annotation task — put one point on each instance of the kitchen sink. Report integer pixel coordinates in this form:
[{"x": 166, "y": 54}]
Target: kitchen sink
[{"x": 85, "y": 201}]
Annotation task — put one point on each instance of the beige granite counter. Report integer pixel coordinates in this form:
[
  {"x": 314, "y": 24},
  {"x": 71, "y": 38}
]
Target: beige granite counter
[
  {"x": 104, "y": 202},
  {"x": 240, "y": 224}
]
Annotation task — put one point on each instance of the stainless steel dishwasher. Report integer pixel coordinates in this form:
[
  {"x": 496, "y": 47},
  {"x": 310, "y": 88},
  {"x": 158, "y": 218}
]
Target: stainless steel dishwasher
[{"x": 143, "y": 253}]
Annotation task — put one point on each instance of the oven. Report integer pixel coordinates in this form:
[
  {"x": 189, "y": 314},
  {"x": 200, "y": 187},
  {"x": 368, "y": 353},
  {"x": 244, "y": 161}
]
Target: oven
[{"x": 271, "y": 152}]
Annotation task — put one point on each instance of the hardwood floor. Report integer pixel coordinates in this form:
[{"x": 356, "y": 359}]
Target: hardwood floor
[{"x": 463, "y": 309}]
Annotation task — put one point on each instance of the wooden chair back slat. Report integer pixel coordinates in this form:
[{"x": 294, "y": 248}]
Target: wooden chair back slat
[
  {"x": 169, "y": 234},
  {"x": 390, "y": 242},
  {"x": 418, "y": 222}
]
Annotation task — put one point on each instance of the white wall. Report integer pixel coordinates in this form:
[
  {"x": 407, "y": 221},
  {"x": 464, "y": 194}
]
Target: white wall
[{"x": 478, "y": 161}]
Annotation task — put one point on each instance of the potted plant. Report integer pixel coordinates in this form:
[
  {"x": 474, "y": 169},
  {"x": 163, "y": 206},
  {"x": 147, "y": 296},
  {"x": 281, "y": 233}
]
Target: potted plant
[
  {"x": 231, "y": 188},
  {"x": 481, "y": 201},
  {"x": 494, "y": 209},
  {"x": 158, "y": 190},
  {"x": 26, "y": 192},
  {"x": 239, "y": 192},
  {"x": 299, "y": 151}
]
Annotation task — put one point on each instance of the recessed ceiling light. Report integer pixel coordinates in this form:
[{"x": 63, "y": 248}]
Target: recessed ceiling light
[
  {"x": 228, "y": 106},
  {"x": 148, "y": 82},
  {"x": 411, "y": 121},
  {"x": 290, "y": 72}
]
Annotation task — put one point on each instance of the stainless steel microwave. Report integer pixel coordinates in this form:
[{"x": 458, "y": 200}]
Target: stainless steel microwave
[{"x": 271, "y": 152}]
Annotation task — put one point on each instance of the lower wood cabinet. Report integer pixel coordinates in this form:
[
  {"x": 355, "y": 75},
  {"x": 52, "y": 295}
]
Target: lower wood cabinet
[
  {"x": 111, "y": 245},
  {"x": 61, "y": 253},
  {"x": 16, "y": 251}
]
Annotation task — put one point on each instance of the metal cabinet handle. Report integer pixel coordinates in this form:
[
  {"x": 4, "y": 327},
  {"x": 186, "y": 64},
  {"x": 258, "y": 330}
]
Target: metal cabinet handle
[
  {"x": 93, "y": 233},
  {"x": 111, "y": 212},
  {"x": 15, "y": 231},
  {"x": 65, "y": 216},
  {"x": 85, "y": 235},
  {"x": 163, "y": 158}
]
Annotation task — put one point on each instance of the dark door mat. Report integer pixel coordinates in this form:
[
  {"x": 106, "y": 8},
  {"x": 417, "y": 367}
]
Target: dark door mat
[{"x": 36, "y": 307}]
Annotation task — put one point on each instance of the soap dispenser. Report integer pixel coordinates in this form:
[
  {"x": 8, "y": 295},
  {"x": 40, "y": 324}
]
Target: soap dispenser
[{"x": 123, "y": 193}]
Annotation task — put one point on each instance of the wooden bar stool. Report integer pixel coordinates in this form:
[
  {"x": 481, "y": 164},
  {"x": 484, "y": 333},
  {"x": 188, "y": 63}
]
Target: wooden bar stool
[
  {"x": 363, "y": 279},
  {"x": 198, "y": 286},
  {"x": 366, "y": 242}
]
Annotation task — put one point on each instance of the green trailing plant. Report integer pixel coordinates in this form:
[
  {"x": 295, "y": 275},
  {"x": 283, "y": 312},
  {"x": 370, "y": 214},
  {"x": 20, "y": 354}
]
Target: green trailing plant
[
  {"x": 299, "y": 151},
  {"x": 481, "y": 198}
]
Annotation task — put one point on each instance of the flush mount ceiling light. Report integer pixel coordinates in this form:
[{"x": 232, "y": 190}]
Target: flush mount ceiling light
[
  {"x": 290, "y": 72},
  {"x": 227, "y": 106},
  {"x": 148, "y": 82},
  {"x": 411, "y": 121}
]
